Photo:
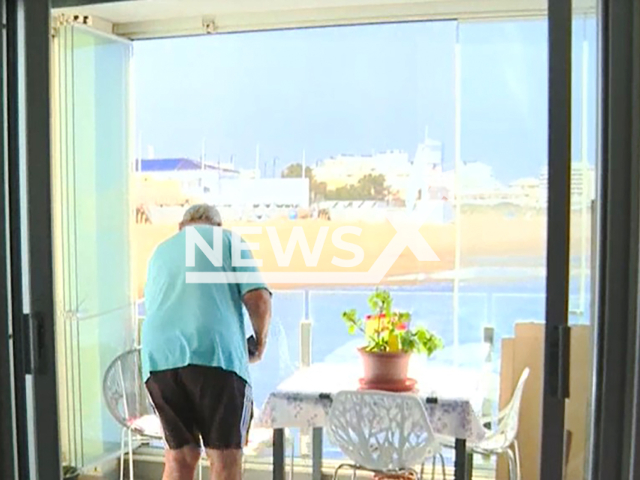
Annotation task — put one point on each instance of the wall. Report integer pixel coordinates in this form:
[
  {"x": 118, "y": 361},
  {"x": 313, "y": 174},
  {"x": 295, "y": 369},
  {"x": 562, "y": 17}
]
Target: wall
[{"x": 526, "y": 349}]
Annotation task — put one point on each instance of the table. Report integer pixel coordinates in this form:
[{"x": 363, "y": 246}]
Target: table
[{"x": 304, "y": 400}]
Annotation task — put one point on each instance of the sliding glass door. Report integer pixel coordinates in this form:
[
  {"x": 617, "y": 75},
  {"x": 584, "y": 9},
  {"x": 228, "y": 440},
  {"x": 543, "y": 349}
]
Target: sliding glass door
[
  {"x": 66, "y": 307},
  {"x": 91, "y": 224},
  {"x": 27, "y": 238},
  {"x": 584, "y": 238}
]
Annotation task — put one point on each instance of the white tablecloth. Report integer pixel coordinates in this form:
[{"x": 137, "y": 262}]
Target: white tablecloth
[{"x": 450, "y": 393}]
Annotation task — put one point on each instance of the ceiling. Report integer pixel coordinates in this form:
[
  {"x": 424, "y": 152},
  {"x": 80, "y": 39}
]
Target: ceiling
[{"x": 155, "y": 18}]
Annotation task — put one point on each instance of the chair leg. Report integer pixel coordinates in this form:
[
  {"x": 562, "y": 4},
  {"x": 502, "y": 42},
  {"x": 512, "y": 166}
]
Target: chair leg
[
  {"x": 123, "y": 434},
  {"x": 130, "y": 455},
  {"x": 293, "y": 446},
  {"x": 338, "y": 468},
  {"x": 422, "y": 471},
  {"x": 516, "y": 452},
  {"x": 512, "y": 464},
  {"x": 444, "y": 467}
]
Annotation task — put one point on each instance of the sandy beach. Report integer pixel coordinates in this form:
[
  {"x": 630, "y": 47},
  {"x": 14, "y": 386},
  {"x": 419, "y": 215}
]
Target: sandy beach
[{"x": 482, "y": 236}]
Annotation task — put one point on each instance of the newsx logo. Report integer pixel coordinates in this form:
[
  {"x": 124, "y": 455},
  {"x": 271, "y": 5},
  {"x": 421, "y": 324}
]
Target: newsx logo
[{"x": 245, "y": 269}]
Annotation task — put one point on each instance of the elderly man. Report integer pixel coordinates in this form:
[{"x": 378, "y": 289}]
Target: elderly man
[{"x": 194, "y": 348}]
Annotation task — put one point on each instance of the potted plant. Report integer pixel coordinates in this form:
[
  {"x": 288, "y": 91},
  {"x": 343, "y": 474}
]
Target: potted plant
[{"x": 390, "y": 342}]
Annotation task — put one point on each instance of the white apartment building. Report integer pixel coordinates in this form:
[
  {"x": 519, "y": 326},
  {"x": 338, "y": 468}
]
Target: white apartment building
[
  {"x": 193, "y": 175},
  {"x": 222, "y": 184},
  {"x": 526, "y": 191},
  {"x": 348, "y": 169},
  {"x": 405, "y": 176}
]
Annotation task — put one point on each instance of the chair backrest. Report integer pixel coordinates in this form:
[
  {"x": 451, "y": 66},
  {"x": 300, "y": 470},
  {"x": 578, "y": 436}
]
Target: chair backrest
[
  {"x": 381, "y": 431},
  {"x": 508, "y": 425},
  {"x": 124, "y": 391}
]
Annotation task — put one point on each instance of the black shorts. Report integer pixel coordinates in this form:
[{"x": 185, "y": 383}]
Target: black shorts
[{"x": 197, "y": 401}]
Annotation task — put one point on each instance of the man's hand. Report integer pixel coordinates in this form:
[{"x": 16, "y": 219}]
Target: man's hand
[
  {"x": 261, "y": 346},
  {"x": 258, "y": 303}
]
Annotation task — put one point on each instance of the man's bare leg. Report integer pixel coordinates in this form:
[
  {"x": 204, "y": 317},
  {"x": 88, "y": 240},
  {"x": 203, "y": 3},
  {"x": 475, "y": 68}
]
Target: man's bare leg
[
  {"x": 180, "y": 464},
  {"x": 225, "y": 464}
]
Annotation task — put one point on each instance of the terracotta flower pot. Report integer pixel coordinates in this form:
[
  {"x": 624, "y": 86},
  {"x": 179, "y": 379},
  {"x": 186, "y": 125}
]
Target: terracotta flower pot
[{"x": 385, "y": 368}]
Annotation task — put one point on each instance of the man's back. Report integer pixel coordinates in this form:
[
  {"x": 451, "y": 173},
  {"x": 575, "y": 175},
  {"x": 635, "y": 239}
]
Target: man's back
[{"x": 193, "y": 323}]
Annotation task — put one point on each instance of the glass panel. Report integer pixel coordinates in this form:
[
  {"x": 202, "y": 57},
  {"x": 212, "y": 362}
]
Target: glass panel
[
  {"x": 91, "y": 231},
  {"x": 583, "y": 209},
  {"x": 328, "y": 127},
  {"x": 501, "y": 206},
  {"x": 350, "y": 114},
  {"x": 282, "y": 358}
]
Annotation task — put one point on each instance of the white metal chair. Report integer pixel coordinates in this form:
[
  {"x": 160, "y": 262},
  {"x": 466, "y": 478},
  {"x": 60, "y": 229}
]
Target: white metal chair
[
  {"x": 128, "y": 402},
  {"x": 380, "y": 432},
  {"x": 501, "y": 440}
]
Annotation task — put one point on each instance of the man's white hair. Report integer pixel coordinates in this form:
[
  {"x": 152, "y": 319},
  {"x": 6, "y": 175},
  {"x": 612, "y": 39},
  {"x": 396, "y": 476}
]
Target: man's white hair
[{"x": 202, "y": 213}]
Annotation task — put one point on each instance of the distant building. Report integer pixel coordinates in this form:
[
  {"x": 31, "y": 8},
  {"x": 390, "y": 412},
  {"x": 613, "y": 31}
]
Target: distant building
[
  {"x": 261, "y": 193},
  {"x": 474, "y": 183},
  {"x": 583, "y": 184},
  {"x": 426, "y": 181},
  {"x": 526, "y": 191},
  {"x": 240, "y": 193},
  {"x": 249, "y": 173},
  {"x": 472, "y": 179},
  {"x": 408, "y": 179},
  {"x": 195, "y": 176},
  {"x": 348, "y": 169}
]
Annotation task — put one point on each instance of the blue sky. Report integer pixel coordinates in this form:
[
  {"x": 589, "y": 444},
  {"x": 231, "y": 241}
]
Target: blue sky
[{"x": 358, "y": 90}]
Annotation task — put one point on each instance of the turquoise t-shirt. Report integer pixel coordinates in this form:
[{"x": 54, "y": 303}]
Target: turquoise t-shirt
[{"x": 196, "y": 323}]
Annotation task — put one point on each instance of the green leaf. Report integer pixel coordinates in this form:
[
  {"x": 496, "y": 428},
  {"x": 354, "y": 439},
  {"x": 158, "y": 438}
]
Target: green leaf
[{"x": 419, "y": 340}]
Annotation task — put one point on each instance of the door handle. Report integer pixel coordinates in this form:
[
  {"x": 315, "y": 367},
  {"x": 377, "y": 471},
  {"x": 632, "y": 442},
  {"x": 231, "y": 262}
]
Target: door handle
[
  {"x": 34, "y": 343},
  {"x": 557, "y": 359}
]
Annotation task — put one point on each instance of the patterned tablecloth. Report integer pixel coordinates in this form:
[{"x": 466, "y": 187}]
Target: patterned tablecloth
[{"x": 304, "y": 399}]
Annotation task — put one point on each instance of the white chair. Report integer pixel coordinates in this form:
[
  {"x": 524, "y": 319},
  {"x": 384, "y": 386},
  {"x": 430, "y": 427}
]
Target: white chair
[
  {"x": 501, "y": 440},
  {"x": 380, "y": 432},
  {"x": 128, "y": 402}
]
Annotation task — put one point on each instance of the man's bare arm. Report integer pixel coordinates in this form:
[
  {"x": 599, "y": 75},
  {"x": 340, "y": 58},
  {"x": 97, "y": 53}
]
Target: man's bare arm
[{"x": 258, "y": 304}]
